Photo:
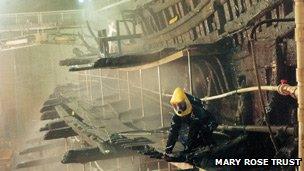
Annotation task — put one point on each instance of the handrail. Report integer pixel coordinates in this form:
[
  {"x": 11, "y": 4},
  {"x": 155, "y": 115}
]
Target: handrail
[{"x": 41, "y": 12}]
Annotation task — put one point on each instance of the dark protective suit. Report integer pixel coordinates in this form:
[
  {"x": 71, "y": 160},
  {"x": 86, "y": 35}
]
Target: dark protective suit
[{"x": 201, "y": 125}]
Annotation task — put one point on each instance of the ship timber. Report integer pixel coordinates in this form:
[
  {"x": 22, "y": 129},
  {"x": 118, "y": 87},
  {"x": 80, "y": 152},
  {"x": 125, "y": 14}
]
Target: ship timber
[{"x": 123, "y": 97}]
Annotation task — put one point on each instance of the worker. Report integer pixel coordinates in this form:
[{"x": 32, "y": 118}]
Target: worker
[{"x": 190, "y": 112}]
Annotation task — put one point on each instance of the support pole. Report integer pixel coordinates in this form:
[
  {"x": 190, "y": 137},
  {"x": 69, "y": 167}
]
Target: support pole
[
  {"x": 62, "y": 18},
  {"x": 66, "y": 149},
  {"x": 299, "y": 37},
  {"x": 18, "y": 117},
  {"x": 190, "y": 72},
  {"x": 118, "y": 84},
  {"x": 86, "y": 83},
  {"x": 101, "y": 87},
  {"x": 118, "y": 164},
  {"x": 141, "y": 94},
  {"x": 169, "y": 167},
  {"x": 101, "y": 91},
  {"x": 118, "y": 34},
  {"x": 160, "y": 97},
  {"x": 91, "y": 91},
  {"x": 79, "y": 83},
  {"x": 129, "y": 96}
]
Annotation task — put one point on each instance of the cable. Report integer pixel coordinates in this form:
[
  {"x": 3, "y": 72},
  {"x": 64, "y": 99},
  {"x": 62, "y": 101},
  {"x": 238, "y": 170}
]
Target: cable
[{"x": 258, "y": 79}]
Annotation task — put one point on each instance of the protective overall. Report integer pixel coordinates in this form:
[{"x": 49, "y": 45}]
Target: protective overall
[{"x": 190, "y": 111}]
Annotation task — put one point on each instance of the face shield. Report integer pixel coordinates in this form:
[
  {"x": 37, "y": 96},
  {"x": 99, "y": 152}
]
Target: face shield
[
  {"x": 180, "y": 107},
  {"x": 180, "y": 103}
]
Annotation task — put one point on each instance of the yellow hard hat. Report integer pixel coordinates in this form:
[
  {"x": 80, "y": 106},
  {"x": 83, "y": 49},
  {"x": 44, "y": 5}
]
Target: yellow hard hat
[{"x": 180, "y": 102}]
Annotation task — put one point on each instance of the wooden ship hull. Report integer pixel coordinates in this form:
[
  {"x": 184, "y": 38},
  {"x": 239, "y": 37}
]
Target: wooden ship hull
[{"x": 121, "y": 104}]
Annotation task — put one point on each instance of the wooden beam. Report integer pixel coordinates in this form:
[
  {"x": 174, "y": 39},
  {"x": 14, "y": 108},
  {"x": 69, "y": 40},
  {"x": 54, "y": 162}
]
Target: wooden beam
[
  {"x": 90, "y": 154},
  {"x": 42, "y": 147},
  {"x": 60, "y": 133},
  {"x": 54, "y": 125},
  {"x": 49, "y": 115},
  {"x": 38, "y": 162}
]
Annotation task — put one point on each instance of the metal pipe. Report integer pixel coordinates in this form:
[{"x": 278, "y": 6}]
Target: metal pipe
[
  {"x": 189, "y": 72},
  {"x": 141, "y": 94},
  {"x": 160, "y": 97},
  {"x": 254, "y": 128},
  {"x": 299, "y": 37}
]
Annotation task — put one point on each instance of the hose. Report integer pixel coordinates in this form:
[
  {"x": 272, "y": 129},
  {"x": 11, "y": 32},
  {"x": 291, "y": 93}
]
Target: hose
[{"x": 255, "y": 66}]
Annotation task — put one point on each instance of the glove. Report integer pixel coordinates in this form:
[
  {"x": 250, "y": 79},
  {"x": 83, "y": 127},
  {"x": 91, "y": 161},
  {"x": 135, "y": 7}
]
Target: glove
[
  {"x": 168, "y": 157},
  {"x": 212, "y": 126}
]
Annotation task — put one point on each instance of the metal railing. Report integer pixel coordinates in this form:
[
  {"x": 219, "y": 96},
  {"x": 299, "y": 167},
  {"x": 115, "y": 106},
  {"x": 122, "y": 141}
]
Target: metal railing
[
  {"x": 88, "y": 75},
  {"x": 50, "y": 19},
  {"x": 159, "y": 91},
  {"x": 41, "y": 20}
]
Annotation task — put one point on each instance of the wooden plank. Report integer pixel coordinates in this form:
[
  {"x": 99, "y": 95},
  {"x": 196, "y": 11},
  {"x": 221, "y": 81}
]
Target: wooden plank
[
  {"x": 163, "y": 5},
  {"x": 53, "y": 125},
  {"x": 206, "y": 27},
  {"x": 245, "y": 5},
  {"x": 42, "y": 147},
  {"x": 189, "y": 21},
  {"x": 191, "y": 4},
  {"x": 60, "y": 133},
  {"x": 167, "y": 59},
  {"x": 226, "y": 10},
  {"x": 89, "y": 134},
  {"x": 177, "y": 9},
  {"x": 90, "y": 154},
  {"x": 180, "y": 7},
  {"x": 49, "y": 115},
  {"x": 252, "y": 14},
  {"x": 201, "y": 28},
  {"x": 183, "y": 166},
  {"x": 165, "y": 17},
  {"x": 38, "y": 162},
  {"x": 234, "y": 8}
]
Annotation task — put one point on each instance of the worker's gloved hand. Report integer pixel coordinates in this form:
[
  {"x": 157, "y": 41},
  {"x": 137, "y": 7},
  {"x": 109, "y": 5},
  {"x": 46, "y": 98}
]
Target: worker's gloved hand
[
  {"x": 169, "y": 157},
  {"x": 212, "y": 126}
]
